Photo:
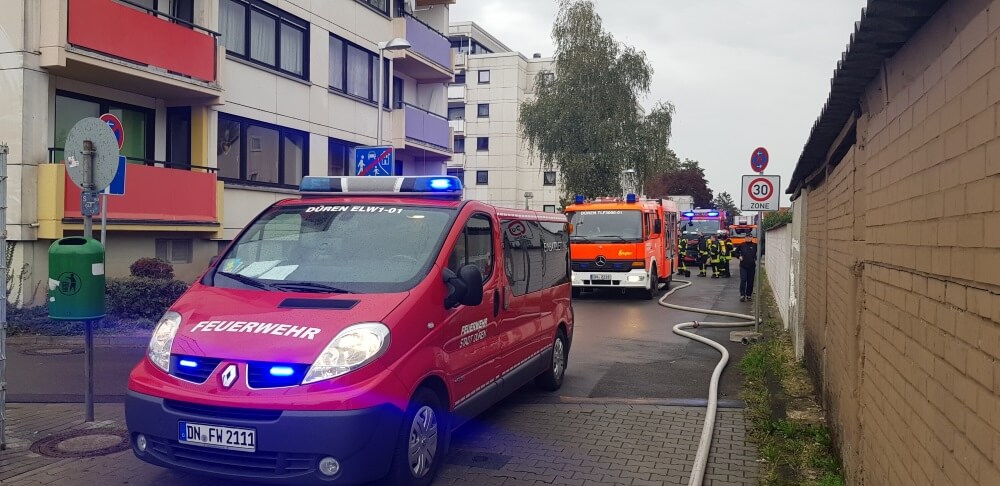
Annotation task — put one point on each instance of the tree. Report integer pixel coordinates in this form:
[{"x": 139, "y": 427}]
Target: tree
[
  {"x": 585, "y": 121},
  {"x": 687, "y": 180},
  {"x": 725, "y": 201}
]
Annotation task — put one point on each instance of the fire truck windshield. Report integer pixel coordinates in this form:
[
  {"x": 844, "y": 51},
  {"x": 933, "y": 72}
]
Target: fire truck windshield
[
  {"x": 705, "y": 226},
  {"x": 607, "y": 225}
]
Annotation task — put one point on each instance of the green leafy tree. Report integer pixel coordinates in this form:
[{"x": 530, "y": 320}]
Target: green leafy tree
[
  {"x": 688, "y": 179},
  {"x": 724, "y": 201},
  {"x": 585, "y": 121}
]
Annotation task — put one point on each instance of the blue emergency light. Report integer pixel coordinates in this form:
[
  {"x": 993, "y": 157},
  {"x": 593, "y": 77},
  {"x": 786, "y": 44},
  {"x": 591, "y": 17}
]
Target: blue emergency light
[
  {"x": 631, "y": 198},
  {"x": 713, "y": 213},
  {"x": 689, "y": 214},
  {"x": 579, "y": 199},
  {"x": 449, "y": 187},
  {"x": 282, "y": 371},
  {"x": 187, "y": 363}
]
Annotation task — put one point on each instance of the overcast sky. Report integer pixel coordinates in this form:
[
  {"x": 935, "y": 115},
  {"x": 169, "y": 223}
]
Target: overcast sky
[{"x": 742, "y": 73}]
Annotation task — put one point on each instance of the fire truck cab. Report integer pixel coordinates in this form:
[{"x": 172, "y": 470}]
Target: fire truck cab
[
  {"x": 627, "y": 244},
  {"x": 705, "y": 222},
  {"x": 743, "y": 229}
]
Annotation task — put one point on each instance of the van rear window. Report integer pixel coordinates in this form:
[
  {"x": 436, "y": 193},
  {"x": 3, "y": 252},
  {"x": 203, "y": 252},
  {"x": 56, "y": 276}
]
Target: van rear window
[{"x": 349, "y": 248}]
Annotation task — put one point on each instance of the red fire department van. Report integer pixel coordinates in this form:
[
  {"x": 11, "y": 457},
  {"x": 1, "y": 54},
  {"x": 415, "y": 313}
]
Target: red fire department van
[{"x": 342, "y": 336}]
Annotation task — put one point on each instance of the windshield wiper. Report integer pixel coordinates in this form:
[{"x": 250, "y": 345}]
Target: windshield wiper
[
  {"x": 621, "y": 238},
  {"x": 309, "y": 287},
  {"x": 243, "y": 279},
  {"x": 583, "y": 238}
]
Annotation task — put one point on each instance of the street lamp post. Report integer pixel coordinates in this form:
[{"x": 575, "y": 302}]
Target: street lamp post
[
  {"x": 527, "y": 197},
  {"x": 397, "y": 44},
  {"x": 628, "y": 181}
]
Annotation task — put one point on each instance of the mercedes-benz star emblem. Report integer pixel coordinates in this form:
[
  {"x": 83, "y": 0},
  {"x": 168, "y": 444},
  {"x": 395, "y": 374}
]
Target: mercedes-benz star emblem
[
  {"x": 601, "y": 261},
  {"x": 229, "y": 376}
]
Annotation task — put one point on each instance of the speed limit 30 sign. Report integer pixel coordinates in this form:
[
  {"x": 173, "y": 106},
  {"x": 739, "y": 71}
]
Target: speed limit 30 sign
[{"x": 761, "y": 193}]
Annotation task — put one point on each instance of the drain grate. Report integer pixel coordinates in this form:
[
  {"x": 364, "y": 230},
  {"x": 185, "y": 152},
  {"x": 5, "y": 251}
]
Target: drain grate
[
  {"x": 82, "y": 443},
  {"x": 483, "y": 460},
  {"x": 59, "y": 351}
]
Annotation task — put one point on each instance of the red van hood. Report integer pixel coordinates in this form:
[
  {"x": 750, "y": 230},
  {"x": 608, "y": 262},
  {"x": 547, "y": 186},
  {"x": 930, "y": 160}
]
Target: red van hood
[{"x": 251, "y": 325}]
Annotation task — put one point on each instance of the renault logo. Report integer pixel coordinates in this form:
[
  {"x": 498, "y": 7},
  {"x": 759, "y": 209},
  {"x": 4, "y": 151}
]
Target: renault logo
[
  {"x": 601, "y": 261},
  {"x": 229, "y": 376}
]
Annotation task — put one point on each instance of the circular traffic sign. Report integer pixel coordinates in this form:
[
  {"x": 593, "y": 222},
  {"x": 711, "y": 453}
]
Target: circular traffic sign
[
  {"x": 760, "y": 189},
  {"x": 116, "y": 127},
  {"x": 759, "y": 159},
  {"x": 105, "y": 155}
]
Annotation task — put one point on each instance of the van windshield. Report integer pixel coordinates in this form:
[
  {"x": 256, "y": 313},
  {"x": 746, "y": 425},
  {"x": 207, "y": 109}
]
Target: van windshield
[
  {"x": 336, "y": 248},
  {"x": 606, "y": 225},
  {"x": 707, "y": 227}
]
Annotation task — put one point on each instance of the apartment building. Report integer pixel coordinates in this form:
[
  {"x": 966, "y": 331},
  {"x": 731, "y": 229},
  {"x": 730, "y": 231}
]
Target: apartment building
[
  {"x": 491, "y": 82},
  {"x": 225, "y": 105}
]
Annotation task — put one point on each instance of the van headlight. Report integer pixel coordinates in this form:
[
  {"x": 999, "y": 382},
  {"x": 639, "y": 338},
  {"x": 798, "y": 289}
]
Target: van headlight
[
  {"x": 163, "y": 339},
  {"x": 353, "y": 348}
]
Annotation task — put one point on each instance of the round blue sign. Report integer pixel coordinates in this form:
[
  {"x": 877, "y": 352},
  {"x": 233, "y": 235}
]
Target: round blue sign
[
  {"x": 759, "y": 159},
  {"x": 116, "y": 126}
]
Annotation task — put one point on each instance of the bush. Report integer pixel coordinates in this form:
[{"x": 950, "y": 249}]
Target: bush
[
  {"x": 152, "y": 268},
  {"x": 142, "y": 298}
]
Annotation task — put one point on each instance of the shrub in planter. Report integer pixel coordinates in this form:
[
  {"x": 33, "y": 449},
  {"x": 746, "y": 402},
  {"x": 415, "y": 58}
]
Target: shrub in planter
[
  {"x": 153, "y": 268},
  {"x": 142, "y": 298}
]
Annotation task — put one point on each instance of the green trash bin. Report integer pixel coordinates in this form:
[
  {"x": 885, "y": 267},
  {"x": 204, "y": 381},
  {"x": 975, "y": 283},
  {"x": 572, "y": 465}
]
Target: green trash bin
[{"x": 76, "y": 279}]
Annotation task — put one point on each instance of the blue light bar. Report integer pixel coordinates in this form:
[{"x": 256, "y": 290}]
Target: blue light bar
[
  {"x": 282, "y": 371},
  {"x": 187, "y": 363},
  {"x": 579, "y": 199},
  {"x": 713, "y": 213},
  {"x": 409, "y": 186},
  {"x": 689, "y": 214},
  {"x": 631, "y": 198}
]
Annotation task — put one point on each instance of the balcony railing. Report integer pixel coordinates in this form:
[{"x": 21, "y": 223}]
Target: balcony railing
[
  {"x": 426, "y": 127},
  {"x": 428, "y": 42},
  {"x": 456, "y": 92},
  {"x": 160, "y": 41},
  {"x": 457, "y": 125}
]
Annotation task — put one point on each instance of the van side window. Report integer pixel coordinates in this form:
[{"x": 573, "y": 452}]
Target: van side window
[
  {"x": 474, "y": 247},
  {"x": 536, "y": 255},
  {"x": 516, "y": 256}
]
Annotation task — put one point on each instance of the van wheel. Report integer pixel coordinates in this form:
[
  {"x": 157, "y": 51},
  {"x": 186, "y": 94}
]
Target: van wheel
[
  {"x": 422, "y": 441},
  {"x": 654, "y": 286},
  {"x": 552, "y": 378},
  {"x": 576, "y": 292}
]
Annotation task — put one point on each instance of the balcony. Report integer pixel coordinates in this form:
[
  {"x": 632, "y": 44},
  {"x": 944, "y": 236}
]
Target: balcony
[
  {"x": 152, "y": 202},
  {"x": 430, "y": 58},
  {"x": 456, "y": 92},
  {"x": 458, "y": 126},
  {"x": 112, "y": 44},
  {"x": 421, "y": 133}
]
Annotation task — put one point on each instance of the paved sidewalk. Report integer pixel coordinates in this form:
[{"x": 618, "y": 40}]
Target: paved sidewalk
[{"x": 509, "y": 445}]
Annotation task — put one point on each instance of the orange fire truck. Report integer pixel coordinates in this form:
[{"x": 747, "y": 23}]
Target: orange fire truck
[
  {"x": 704, "y": 221},
  {"x": 742, "y": 229},
  {"x": 626, "y": 244}
]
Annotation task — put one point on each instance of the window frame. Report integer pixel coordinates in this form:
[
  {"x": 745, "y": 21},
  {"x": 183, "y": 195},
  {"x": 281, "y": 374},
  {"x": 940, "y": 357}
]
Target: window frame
[
  {"x": 368, "y": 3},
  {"x": 456, "y": 149},
  {"x": 281, "y": 19},
  {"x": 482, "y": 181},
  {"x": 244, "y": 124},
  {"x": 168, "y": 246},
  {"x": 479, "y": 110},
  {"x": 545, "y": 178},
  {"x": 481, "y": 146},
  {"x": 479, "y": 76},
  {"x": 372, "y": 69},
  {"x": 464, "y": 234},
  {"x": 104, "y": 106}
]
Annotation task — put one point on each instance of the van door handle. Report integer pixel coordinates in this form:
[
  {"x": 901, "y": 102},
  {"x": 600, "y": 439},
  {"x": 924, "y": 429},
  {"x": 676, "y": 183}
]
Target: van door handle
[{"x": 496, "y": 303}]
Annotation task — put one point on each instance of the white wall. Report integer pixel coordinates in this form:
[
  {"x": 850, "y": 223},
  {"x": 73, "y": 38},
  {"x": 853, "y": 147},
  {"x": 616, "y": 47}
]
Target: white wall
[{"x": 778, "y": 263}]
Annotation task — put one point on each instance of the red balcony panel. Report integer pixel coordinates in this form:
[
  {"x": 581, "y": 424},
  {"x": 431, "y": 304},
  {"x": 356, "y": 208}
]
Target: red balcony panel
[
  {"x": 157, "y": 195},
  {"x": 123, "y": 32}
]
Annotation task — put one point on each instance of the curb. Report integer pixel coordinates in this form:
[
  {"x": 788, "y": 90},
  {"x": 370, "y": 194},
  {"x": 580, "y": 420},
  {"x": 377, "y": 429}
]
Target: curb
[{"x": 102, "y": 341}]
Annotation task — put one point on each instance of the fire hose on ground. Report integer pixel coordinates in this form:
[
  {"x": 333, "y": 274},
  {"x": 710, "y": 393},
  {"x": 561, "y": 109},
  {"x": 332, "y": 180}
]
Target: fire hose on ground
[{"x": 704, "y": 446}]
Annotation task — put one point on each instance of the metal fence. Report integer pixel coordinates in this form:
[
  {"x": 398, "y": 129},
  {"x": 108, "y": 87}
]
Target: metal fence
[{"x": 3, "y": 291}]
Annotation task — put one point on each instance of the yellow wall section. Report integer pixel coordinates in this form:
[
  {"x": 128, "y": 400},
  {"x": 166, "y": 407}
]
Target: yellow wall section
[
  {"x": 51, "y": 194},
  {"x": 201, "y": 119}
]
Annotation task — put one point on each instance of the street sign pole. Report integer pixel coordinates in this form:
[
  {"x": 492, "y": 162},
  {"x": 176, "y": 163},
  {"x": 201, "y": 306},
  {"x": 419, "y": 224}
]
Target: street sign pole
[
  {"x": 88, "y": 325},
  {"x": 104, "y": 221},
  {"x": 3, "y": 291},
  {"x": 757, "y": 274}
]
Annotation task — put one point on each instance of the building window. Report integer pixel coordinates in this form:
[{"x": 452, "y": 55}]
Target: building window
[
  {"x": 549, "y": 178},
  {"x": 341, "y": 163},
  {"x": 175, "y": 250},
  {"x": 354, "y": 71},
  {"x": 380, "y": 5},
  {"x": 459, "y": 145},
  {"x": 482, "y": 177},
  {"x": 179, "y": 136},
  {"x": 466, "y": 46},
  {"x": 180, "y": 9},
  {"x": 457, "y": 172},
  {"x": 456, "y": 113},
  {"x": 549, "y": 208},
  {"x": 137, "y": 122},
  {"x": 484, "y": 77},
  {"x": 260, "y": 153},
  {"x": 257, "y": 32},
  {"x": 482, "y": 144},
  {"x": 484, "y": 110},
  {"x": 459, "y": 79}
]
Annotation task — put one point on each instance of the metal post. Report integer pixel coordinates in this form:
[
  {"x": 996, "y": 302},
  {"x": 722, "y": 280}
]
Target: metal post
[
  {"x": 381, "y": 91},
  {"x": 3, "y": 290},
  {"x": 104, "y": 221},
  {"x": 757, "y": 274},
  {"x": 88, "y": 330}
]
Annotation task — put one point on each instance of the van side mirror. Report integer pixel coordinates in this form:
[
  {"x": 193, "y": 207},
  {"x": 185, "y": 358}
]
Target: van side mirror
[{"x": 465, "y": 288}]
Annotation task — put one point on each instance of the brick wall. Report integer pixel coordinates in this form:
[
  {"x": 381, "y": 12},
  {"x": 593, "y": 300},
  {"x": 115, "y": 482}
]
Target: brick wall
[{"x": 902, "y": 250}]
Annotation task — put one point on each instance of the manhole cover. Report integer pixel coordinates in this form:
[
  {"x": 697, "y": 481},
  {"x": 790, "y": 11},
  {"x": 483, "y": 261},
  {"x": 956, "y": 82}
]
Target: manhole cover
[
  {"x": 82, "y": 443},
  {"x": 51, "y": 351},
  {"x": 484, "y": 460}
]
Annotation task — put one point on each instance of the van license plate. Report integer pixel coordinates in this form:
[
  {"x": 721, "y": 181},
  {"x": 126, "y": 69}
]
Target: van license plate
[
  {"x": 601, "y": 276},
  {"x": 217, "y": 436}
]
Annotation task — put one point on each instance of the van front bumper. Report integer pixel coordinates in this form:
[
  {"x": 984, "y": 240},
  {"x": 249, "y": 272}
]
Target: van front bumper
[
  {"x": 634, "y": 279},
  {"x": 290, "y": 444}
]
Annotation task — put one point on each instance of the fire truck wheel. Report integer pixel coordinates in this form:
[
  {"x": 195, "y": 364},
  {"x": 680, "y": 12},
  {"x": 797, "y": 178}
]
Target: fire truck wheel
[
  {"x": 552, "y": 378},
  {"x": 654, "y": 285},
  {"x": 422, "y": 442}
]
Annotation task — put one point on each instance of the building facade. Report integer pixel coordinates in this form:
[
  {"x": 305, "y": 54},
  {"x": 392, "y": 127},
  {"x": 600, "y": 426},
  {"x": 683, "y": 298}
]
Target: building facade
[
  {"x": 225, "y": 106},
  {"x": 895, "y": 246},
  {"x": 484, "y": 102}
]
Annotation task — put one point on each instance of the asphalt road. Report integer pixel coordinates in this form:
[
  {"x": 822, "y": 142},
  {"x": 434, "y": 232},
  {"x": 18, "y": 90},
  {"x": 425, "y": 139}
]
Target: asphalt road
[{"x": 623, "y": 349}]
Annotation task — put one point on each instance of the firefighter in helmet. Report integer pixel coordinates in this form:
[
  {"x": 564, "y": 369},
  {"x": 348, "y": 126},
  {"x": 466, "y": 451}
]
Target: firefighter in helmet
[
  {"x": 682, "y": 248},
  {"x": 702, "y": 253},
  {"x": 714, "y": 255},
  {"x": 727, "y": 253}
]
